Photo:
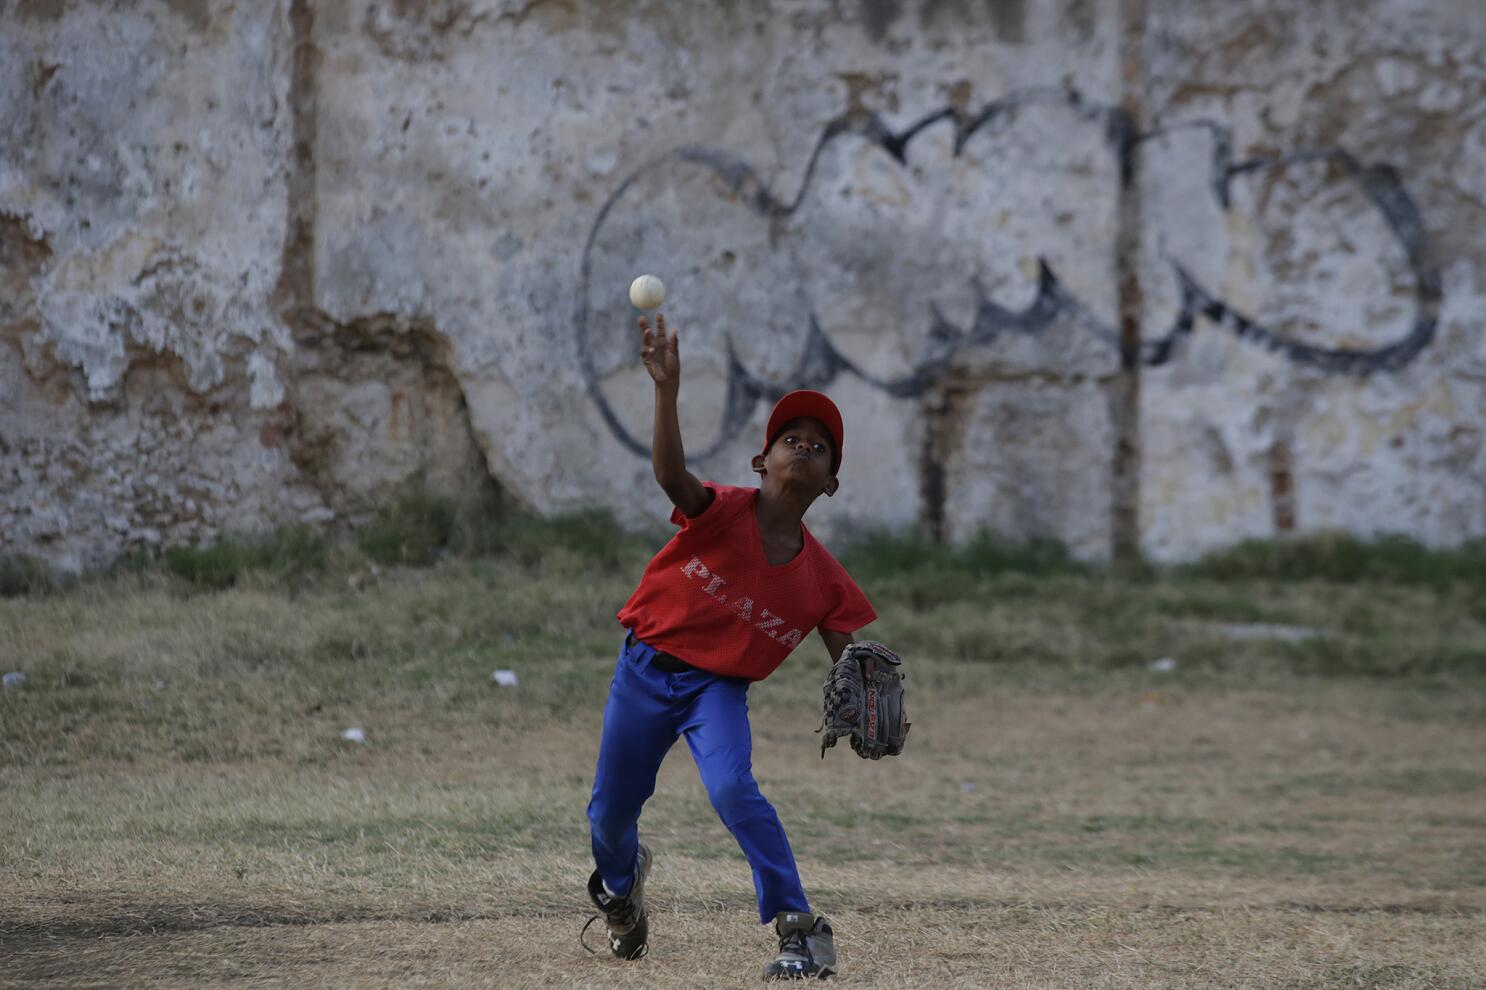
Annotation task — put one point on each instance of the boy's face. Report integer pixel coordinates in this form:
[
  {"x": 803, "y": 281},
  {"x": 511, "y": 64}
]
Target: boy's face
[{"x": 800, "y": 457}]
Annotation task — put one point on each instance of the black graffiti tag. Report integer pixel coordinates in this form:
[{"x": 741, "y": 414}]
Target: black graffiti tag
[{"x": 823, "y": 362}]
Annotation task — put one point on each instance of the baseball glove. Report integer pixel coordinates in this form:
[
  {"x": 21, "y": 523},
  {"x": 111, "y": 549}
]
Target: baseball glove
[{"x": 864, "y": 700}]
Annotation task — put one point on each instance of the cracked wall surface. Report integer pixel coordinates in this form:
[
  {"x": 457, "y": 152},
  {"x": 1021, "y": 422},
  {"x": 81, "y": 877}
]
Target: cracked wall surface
[
  {"x": 1248, "y": 441},
  {"x": 275, "y": 262},
  {"x": 155, "y": 388}
]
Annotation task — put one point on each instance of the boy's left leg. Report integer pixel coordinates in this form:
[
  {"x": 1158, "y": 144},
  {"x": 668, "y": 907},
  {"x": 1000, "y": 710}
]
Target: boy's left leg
[{"x": 717, "y": 732}]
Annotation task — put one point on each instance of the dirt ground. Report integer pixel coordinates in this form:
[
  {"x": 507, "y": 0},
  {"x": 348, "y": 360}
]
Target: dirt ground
[{"x": 1115, "y": 830}]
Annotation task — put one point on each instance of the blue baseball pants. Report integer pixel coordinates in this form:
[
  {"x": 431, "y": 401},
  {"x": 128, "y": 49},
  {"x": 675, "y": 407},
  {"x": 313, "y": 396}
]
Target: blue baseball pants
[{"x": 647, "y": 710}]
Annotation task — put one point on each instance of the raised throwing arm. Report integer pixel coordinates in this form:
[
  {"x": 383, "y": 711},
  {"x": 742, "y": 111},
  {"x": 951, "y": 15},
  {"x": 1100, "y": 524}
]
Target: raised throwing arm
[{"x": 658, "y": 350}]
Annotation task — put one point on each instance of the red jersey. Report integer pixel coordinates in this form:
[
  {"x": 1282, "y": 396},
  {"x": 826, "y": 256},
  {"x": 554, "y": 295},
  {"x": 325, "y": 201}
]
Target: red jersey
[{"x": 711, "y": 598}]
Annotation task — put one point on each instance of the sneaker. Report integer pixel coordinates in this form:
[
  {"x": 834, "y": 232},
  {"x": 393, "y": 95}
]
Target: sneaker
[
  {"x": 806, "y": 948},
  {"x": 629, "y": 928}
]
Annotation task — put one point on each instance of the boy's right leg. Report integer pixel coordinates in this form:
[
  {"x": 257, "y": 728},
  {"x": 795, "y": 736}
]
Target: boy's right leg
[
  {"x": 639, "y": 728},
  {"x": 721, "y": 743}
]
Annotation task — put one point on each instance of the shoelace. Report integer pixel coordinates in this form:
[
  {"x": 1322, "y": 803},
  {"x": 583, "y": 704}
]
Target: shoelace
[
  {"x": 591, "y": 951},
  {"x": 627, "y": 918},
  {"x": 794, "y": 942}
]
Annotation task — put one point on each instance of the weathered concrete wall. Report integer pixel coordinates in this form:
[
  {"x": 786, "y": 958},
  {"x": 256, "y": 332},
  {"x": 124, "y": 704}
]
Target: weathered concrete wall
[
  {"x": 1351, "y": 152},
  {"x": 271, "y": 262},
  {"x": 157, "y": 383}
]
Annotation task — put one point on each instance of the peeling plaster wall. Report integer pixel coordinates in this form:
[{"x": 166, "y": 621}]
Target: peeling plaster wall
[
  {"x": 1241, "y": 440},
  {"x": 155, "y": 387},
  {"x": 272, "y": 262},
  {"x": 506, "y": 169},
  {"x": 141, "y": 191}
]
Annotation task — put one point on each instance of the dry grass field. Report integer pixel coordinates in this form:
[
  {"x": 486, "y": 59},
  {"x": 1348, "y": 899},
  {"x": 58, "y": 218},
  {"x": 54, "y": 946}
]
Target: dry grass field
[{"x": 1301, "y": 802}]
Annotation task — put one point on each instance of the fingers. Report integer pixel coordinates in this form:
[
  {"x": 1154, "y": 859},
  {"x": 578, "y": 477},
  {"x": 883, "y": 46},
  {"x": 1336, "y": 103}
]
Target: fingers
[
  {"x": 647, "y": 340},
  {"x": 659, "y": 337},
  {"x": 660, "y": 328}
]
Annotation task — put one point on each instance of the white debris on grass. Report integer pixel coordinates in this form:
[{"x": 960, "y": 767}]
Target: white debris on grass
[
  {"x": 505, "y": 678},
  {"x": 355, "y": 734},
  {"x": 1265, "y": 630},
  {"x": 1164, "y": 665},
  {"x": 14, "y": 679}
]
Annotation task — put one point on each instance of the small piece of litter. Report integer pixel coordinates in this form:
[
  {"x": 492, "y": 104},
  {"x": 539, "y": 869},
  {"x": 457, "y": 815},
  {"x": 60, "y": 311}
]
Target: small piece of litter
[
  {"x": 505, "y": 678},
  {"x": 1165, "y": 665},
  {"x": 1265, "y": 630},
  {"x": 968, "y": 787},
  {"x": 14, "y": 679},
  {"x": 354, "y": 734}
]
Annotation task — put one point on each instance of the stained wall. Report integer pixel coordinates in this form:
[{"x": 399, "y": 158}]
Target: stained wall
[{"x": 1163, "y": 273}]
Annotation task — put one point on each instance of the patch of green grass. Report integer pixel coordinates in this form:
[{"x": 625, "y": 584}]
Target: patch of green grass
[
  {"x": 1204, "y": 854},
  {"x": 1371, "y": 978},
  {"x": 23, "y": 575},
  {"x": 1215, "y": 604},
  {"x": 882, "y": 554},
  {"x": 1140, "y": 823},
  {"x": 593, "y": 535},
  {"x": 881, "y": 819},
  {"x": 417, "y": 530},
  {"x": 1408, "y": 782},
  {"x": 292, "y": 552},
  {"x": 723, "y": 849},
  {"x": 1156, "y": 824},
  {"x": 1456, "y": 821},
  {"x": 1343, "y": 557},
  {"x": 244, "y": 665},
  {"x": 1384, "y": 656},
  {"x": 449, "y": 833},
  {"x": 841, "y": 854}
]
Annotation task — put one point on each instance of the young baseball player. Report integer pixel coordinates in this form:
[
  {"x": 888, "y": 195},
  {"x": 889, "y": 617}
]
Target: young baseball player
[{"x": 720, "y": 606}]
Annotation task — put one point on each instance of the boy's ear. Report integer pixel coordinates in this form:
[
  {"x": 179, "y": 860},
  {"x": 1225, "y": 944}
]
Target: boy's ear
[
  {"x": 758, "y": 464},
  {"x": 832, "y": 485}
]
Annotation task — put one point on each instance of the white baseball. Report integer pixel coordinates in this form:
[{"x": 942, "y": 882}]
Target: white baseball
[{"x": 647, "y": 292}]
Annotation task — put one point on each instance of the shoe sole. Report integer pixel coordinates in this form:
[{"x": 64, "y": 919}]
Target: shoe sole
[{"x": 823, "y": 974}]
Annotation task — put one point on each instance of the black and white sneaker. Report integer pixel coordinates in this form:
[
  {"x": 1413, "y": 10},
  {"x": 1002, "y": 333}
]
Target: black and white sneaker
[
  {"x": 806, "y": 948},
  {"x": 629, "y": 928}
]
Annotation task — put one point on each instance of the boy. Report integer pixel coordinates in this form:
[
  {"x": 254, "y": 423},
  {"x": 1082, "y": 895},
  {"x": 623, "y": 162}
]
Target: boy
[{"x": 721, "y": 605}]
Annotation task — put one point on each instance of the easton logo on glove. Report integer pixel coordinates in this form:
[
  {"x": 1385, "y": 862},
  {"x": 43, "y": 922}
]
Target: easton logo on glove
[{"x": 864, "y": 701}]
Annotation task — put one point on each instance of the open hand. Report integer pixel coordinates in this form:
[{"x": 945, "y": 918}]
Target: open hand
[{"x": 658, "y": 351}]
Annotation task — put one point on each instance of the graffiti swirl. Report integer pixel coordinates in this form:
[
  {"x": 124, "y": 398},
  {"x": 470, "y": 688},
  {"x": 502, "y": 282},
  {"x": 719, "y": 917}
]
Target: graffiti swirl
[{"x": 822, "y": 361}]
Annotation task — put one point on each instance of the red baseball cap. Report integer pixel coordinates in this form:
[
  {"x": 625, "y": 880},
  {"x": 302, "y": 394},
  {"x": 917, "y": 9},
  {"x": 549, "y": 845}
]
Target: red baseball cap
[{"x": 806, "y": 402}]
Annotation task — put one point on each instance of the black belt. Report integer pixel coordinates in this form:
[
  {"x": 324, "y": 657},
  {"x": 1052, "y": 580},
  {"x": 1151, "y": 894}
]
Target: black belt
[
  {"x": 665, "y": 662},
  {"x": 670, "y": 664}
]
